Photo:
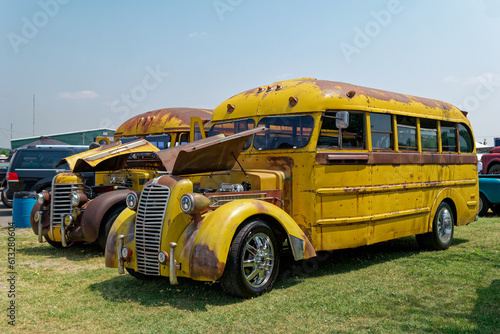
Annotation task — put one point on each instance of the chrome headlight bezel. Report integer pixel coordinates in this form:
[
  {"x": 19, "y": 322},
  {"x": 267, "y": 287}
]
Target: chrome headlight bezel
[
  {"x": 163, "y": 257},
  {"x": 194, "y": 203},
  {"x": 132, "y": 201},
  {"x": 187, "y": 203},
  {"x": 126, "y": 253},
  {"x": 77, "y": 199},
  {"x": 43, "y": 198}
]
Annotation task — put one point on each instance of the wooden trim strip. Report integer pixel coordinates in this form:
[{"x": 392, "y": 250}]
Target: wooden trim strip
[
  {"x": 394, "y": 158},
  {"x": 392, "y": 187},
  {"x": 371, "y": 218}
]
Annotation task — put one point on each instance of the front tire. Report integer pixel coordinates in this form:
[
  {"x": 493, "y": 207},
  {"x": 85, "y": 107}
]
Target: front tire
[
  {"x": 54, "y": 244},
  {"x": 106, "y": 224},
  {"x": 253, "y": 261},
  {"x": 139, "y": 276},
  {"x": 441, "y": 236},
  {"x": 484, "y": 205}
]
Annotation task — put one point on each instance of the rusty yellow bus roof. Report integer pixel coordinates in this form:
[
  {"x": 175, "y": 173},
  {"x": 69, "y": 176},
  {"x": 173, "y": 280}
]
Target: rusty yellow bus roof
[
  {"x": 312, "y": 95},
  {"x": 161, "y": 121}
]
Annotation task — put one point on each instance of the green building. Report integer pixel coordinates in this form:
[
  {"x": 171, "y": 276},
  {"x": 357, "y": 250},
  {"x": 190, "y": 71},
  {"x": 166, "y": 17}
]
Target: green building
[{"x": 71, "y": 138}]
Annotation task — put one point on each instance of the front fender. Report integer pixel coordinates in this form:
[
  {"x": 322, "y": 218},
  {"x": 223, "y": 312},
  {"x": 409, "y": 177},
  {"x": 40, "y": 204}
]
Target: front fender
[
  {"x": 213, "y": 240},
  {"x": 95, "y": 211},
  {"x": 124, "y": 225}
]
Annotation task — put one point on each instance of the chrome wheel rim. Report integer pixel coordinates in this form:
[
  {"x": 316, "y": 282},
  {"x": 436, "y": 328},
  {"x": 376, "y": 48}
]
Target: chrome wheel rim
[
  {"x": 480, "y": 204},
  {"x": 445, "y": 225},
  {"x": 258, "y": 260}
]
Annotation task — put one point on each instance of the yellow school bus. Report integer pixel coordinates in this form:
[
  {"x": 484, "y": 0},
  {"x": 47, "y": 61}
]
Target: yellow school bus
[
  {"x": 69, "y": 213},
  {"x": 297, "y": 167}
]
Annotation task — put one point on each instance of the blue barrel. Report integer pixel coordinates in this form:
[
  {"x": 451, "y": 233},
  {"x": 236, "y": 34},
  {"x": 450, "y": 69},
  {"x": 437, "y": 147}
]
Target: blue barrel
[{"x": 21, "y": 208}]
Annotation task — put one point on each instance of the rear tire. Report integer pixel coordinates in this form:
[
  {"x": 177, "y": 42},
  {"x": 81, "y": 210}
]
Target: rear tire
[
  {"x": 253, "y": 261},
  {"x": 484, "y": 205},
  {"x": 495, "y": 169},
  {"x": 441, "y": 236},
  {"x": 495, "y": 208},
  {"x": 5, "y": 201},
  {"x": 106, "y": 224}
]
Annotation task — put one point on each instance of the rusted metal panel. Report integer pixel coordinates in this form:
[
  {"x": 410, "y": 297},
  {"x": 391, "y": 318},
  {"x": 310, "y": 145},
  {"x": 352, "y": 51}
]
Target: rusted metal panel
[
  {"x": 209, "y": 154},
  {"x": 161, "y": 121},
  {"x": 108, "y": 157},
  {"x": 394, "y": 158},
  {"x": 312, "y": 95}
]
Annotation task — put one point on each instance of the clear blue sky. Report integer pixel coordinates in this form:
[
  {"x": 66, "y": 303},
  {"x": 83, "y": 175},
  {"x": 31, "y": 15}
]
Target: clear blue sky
[{"x": 94, "y": 64}]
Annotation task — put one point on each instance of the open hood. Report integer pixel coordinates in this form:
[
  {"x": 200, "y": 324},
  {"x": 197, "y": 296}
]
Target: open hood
[
  {"x": 206, "y": 155},
  {"x": 107, "y": 158}
]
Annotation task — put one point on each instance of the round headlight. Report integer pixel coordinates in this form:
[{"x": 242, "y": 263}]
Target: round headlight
[
  {"x": 131, "y": 201},
  {"x": 43, "y": 198},
  {"x": 186, "y": 204},
  {"x": 126, "y": 253},
  {"x": 75, "y": 199},
  {"x": 163, "y": 257},
  {"x": 67, "y": 220},
  {"x": 39, "y": 198}
]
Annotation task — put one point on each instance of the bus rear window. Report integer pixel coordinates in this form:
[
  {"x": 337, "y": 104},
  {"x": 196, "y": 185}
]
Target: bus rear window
[
  {"x": 466, "y": 142},
  {"x": 284, "y": 132}
]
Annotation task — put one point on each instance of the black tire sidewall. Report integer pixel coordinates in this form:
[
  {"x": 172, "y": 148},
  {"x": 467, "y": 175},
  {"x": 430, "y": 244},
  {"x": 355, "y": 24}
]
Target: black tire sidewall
[
  {"x": 243, "y": 289},
  {"x": 495, "y": 169},
  {"x": 106, "y": 224},
  {"x": 438, "y": 243},
  {"x": 486, "y": 205}
]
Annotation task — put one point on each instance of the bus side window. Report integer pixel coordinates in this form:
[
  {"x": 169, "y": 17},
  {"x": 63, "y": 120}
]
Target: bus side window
[
  {"x": 407, "y": 133},
  {"x": 465, "y": 136},
  {"x": 353, "y": 137},
  {"x": 197, "y": 132},
  {"x": 382, "y": 134},
  {"x": 428, "y": 135},
  {"x": 183, "y": 139},
  {"x": 449, "y": 137}
]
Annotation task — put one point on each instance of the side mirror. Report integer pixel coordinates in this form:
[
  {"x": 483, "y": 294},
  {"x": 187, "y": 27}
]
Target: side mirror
[{"x": 342, "y": 119}]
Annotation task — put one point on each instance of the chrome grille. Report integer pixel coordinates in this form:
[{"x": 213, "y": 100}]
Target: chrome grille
[
  {"x": 148, "y": 226},
  {"x": 60, "y": 204}
]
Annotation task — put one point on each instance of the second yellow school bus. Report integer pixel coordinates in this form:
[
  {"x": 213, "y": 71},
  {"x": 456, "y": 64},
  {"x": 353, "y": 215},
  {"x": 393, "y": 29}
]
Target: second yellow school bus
[{"x": 327, "y": 165}]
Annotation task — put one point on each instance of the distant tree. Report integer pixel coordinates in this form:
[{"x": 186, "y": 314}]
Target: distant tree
[{"x": 4, "y": 152}]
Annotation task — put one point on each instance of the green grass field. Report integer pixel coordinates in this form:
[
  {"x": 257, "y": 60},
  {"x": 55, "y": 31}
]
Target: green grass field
[{"x": 391, "y": 287}]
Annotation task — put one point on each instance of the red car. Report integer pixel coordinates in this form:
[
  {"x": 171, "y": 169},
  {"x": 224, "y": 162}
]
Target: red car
[{"x": 491, "y": 161}]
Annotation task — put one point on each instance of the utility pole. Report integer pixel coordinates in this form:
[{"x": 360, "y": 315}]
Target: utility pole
[{"x": 33, "y": 115}]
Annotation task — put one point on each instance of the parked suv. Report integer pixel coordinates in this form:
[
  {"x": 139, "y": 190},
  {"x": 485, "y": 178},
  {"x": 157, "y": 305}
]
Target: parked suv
[{"x": 32, "y": 168}]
